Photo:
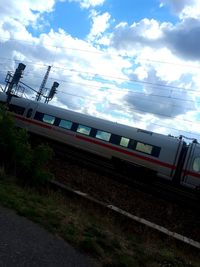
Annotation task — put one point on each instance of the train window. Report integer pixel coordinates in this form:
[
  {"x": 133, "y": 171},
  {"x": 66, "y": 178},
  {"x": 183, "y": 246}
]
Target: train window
[
  {"x": 196, "y": 165},
  {"x": 65, "y": 124},
  {"x": 83, "y": 129},
  {"x": 124, "y": 141},
  {"x": 103, "y": 135},
  {"x": 16, "y": 109},
  {"x": 144, "y": 148},
  {"x": 48, "y": 119}
]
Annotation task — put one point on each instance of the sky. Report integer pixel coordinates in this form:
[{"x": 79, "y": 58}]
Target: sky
[{"x": 135, "y": 62}]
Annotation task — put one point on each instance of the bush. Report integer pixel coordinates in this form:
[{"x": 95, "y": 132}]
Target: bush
[
  {"x": 18, "y": 157},
  {"x": 37, "y": 169}
]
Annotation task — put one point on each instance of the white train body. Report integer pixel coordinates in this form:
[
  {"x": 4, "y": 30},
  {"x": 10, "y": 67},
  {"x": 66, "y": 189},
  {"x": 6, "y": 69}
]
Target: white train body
[{"x": 169, "y": 157}]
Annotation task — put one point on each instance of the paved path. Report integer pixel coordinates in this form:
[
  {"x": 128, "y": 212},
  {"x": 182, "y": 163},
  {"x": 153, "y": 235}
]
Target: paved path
[{"x": 26, "y": 244}]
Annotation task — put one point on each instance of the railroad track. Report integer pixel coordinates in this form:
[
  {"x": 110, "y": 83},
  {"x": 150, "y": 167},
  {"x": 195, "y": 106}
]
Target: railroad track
[
  {"x": 162, "y": 189},
  {"x": 163, "y": 230},
  {"x": 155, "y": 206},
  {"x": 82, "y": 168}
]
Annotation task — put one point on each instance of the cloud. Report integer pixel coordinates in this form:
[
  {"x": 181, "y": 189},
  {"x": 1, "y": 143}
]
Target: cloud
[
  {"x": 165, "y": 84},
  {"x": 184, "y": 8},
  {"x": 158, "y": 98},
  {"x": 184, "y": 38},
  {"x": 82, "y": 70},
  {"x": 181, "y": 39},
  {"x": 24, "y": 11},
  {"x": 145, "y": 32},
  {"x": 100, "y": 23},
  {"x": 89, "y": 3}
]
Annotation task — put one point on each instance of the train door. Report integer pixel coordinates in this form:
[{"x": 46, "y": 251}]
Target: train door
[
  {"x": 28, "y": 114},
  {"x": 191, "y": 169},
  {"x": 30, "y": 110}
]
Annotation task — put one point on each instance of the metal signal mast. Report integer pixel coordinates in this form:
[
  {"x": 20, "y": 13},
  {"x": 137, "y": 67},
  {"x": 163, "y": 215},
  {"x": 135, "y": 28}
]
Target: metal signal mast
[{"x": 42, "y": 86}]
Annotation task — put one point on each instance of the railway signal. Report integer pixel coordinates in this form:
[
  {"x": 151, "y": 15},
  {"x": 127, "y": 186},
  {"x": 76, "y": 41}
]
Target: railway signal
[
  {"x": 14, "y": 80},
  {"x": 52, "y": 92}
]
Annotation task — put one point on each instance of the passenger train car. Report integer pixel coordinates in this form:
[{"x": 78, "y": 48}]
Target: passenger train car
[{"x": 169, "y": 157}]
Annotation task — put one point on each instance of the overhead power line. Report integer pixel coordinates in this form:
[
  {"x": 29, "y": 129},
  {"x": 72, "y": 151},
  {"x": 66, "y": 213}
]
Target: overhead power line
[
  {"x": 148, "y": 83},
  {"x": 152, "y": 123},
  {"x": 128, "y": 91},
  {"x": 134, "y": 109},
  {"x": 132, "y": 92},
  {"x": 122, "y": 79},
  {"x": 94, "y": 50}
]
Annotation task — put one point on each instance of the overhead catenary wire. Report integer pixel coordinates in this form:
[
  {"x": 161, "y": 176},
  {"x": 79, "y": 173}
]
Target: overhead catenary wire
[
  {"x": 180, "y": 131},
  {"x": 128, "y": 90},
  {"x": 136, "y": 92},
  {"x": 146, "y": 111},
  {"x": 104, "y": 53},
  {"x": 123, "y": 90},
  {"x": 135, "y": 109},
  {"x": 156, "y": 86},
  {"x": 130, "y": 108},
  {"x": 94, "y": 51},
  {"x": 109, "y": 76}
]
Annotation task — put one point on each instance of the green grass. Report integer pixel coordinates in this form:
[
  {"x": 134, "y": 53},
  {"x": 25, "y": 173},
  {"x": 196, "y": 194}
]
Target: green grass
[{"x": 92, "y": 231}]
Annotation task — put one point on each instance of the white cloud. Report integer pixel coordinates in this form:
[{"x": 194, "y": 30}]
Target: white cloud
[
  {"x": 12, "y": 29},
  {"x": 143, "y": 33},
  {"x": 89, "y": 3},
  {"x": 99, "y": 26},
  {"x": 161, "y": 68},
  {"x": 25, "y": 11},
  {"x": 184, "y": 8}
]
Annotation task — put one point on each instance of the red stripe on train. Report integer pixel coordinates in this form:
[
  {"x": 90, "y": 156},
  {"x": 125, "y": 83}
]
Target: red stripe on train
[
  {"x": 33, "y": 121},
  {"x": 194, "y": 174},
  {"x": 118, "y": 149},
  {"x": 129, "y": 153},
  {"x": 109, "y": 146}
]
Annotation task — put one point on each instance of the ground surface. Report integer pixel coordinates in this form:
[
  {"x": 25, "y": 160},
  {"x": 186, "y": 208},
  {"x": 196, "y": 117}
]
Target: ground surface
[{"x": 24, "y": 243}]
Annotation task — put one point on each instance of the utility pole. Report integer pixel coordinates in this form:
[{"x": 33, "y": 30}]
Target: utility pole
[{"x": 42, "y": 86}]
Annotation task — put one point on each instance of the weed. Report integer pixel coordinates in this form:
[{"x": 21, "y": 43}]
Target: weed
[
  {"x": 71, "y": 233},
  {"x": 123, "y": 261},
  {"x": 89, "y": 245}
]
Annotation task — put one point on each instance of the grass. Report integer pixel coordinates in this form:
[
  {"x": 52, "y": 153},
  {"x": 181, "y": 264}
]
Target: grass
[{"x": 103, "y": 237}]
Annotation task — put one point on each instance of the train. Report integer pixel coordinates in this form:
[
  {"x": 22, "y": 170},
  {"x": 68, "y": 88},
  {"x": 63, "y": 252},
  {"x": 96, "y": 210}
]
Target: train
[{"x": 170, "y": 158}]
